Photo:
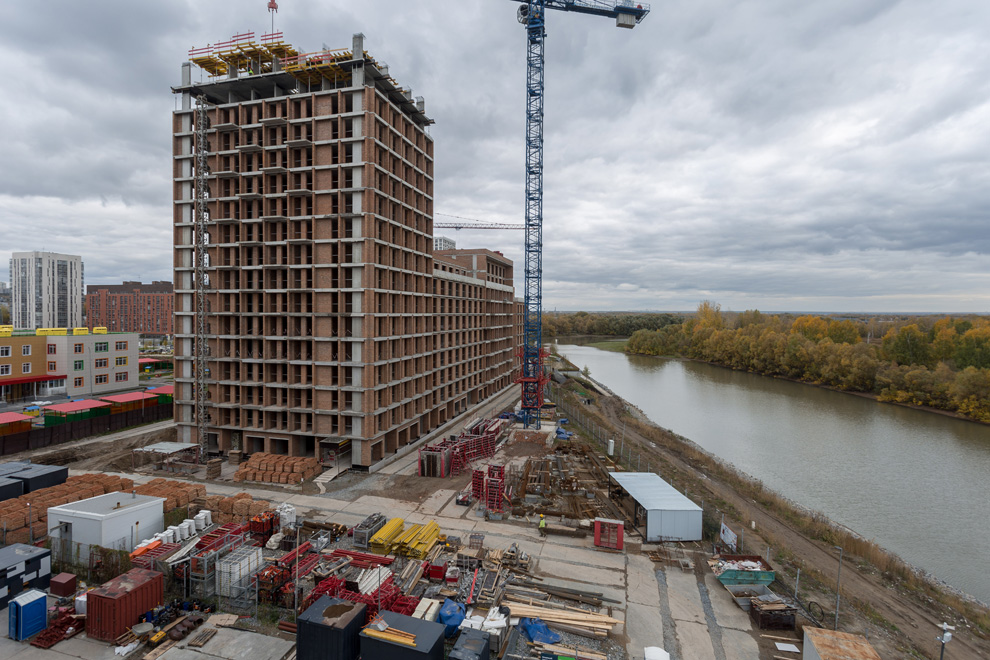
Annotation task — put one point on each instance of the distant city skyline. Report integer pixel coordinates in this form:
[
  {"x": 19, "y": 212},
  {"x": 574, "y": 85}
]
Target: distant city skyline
[{"x": 824, "y": 156}]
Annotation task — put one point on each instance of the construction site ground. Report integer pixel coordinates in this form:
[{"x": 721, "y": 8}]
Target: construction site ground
[{"x": 686, "y": 612}]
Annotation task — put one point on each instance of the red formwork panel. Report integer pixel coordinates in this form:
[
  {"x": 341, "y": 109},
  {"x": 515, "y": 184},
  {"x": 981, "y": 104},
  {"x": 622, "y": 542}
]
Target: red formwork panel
[
  {"x": 608, "y": 533},
  {"x": 119, "y": 604}
]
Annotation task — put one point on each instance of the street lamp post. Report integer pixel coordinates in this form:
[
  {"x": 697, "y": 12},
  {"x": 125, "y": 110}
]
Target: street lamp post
[{"x": 838, "y": 577}]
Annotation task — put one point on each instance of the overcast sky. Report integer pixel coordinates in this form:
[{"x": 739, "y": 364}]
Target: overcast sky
[{"x": 770, "y": 154}]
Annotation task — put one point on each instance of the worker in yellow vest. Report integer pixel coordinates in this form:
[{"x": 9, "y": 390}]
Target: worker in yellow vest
[{"x": 543, "y": 526}]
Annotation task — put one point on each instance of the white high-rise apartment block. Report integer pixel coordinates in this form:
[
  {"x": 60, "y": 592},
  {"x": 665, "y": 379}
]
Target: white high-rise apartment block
[{"x": 46, "y": 290}]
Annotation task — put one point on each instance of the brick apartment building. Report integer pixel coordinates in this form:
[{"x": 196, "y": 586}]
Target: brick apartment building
[
  {"x": 331, "y": 324},
  {"x": 146, "y": 309}
]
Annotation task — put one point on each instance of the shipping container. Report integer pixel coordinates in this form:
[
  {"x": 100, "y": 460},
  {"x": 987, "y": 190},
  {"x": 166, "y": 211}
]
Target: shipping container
[
  {"x": 428, "y": 643},
  {"x": 28, "y": 615},
  {"x": 37, "y": 477},
  {"x": 23, "y": 567},
  {"x": 120, "y": 603},
  {"x": 330, "y": 630},
  {"x": 10, "y": 488},
  {"x": 471, "y": 645}
]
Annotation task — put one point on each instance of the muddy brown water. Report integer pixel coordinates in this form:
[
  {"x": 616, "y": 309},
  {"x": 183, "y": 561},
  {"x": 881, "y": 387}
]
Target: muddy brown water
[{"x": 916, "y": 482}]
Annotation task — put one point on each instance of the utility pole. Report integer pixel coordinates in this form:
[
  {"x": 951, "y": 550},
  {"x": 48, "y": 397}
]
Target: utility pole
[{"x": 838, "y": 577}]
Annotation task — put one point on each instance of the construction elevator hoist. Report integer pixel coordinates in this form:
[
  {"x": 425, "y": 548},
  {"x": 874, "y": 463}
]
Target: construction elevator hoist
[{"x": 532, "y": 14}]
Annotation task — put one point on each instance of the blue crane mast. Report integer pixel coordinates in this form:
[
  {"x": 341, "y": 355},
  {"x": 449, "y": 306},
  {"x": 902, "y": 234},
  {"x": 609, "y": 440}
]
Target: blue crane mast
[{"x": 532, "y": 14}]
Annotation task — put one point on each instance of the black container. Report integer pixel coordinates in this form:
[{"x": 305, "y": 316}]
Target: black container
[
  {"x": 429, "y": 640},
  {"x": 471, "y": 645},
  {"x": 329, "y": 630},
  {"x": 37, "y": 477},
  {"x": 10, "y": 488},
  {"x": 23, "y": 567}
]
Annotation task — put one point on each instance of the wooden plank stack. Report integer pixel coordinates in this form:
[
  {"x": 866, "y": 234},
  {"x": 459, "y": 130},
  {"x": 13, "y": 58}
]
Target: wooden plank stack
[
  {"x": 278, "y": 469},
  {"x": 563, "y": 617}
]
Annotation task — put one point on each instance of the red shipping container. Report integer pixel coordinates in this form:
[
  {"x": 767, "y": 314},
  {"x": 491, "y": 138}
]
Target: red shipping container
[
  {"x": 608, "y": 533},
  {"x": 120, "y": 603},
  {"x": 63, "y": 584}
]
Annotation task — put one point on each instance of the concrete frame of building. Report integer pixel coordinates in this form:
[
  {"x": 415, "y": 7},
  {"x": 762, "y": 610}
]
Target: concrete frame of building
[
  {"x": 330, "y": 324},
  {"x": 46, "y": 290}
]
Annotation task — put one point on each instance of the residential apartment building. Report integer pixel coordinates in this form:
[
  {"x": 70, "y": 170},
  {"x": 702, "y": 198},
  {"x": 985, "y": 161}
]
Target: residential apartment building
[
  {"x": 35, "y": 367},
  {"x": 329, "y": 322},
  {"x": 443, "y": 243},
  {"x": 46, "y": 290},
  {"x": 4, "y": 295},
  {"x": 146, "y": 309},
  {"x": 94, "y": 365}
]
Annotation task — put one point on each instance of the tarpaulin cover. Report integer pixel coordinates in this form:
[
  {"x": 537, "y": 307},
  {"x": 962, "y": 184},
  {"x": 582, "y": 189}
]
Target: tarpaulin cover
[
  {"x": 451, "y": 615},
  {"x": 538, "y": 632}
]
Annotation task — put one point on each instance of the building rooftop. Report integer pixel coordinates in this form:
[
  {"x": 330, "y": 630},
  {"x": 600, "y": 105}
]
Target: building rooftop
[
  {"x": 77, "y": 406},
  {"x": 128, "y": 398},
  {"x": 102, "y": 505},
  {"x": 652, "y": 492},
  {"x": 243, "y": 68},
  {"x": 10, "y": 418}
]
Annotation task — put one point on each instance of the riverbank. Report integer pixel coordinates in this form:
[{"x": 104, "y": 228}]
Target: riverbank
[
  {"x": 881, "y": 593},
  {"x": 613, "y": 347}
]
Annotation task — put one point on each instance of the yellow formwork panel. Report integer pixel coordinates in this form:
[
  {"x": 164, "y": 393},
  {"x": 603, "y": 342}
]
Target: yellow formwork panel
[
  {"x": 383, "y": 540},
  {"x": 212, "y": 65}
]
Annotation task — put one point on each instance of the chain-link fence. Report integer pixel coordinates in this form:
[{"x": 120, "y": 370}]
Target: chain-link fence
[{"x": 94, "y": 563}]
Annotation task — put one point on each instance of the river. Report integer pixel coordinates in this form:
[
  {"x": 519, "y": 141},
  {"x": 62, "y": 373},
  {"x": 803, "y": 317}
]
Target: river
[{"x": 913, "y": 481}]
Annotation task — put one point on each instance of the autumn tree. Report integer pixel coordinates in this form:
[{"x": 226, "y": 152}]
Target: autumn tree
[
  {"x": 909, "y": 345},
  {"x": 813, "y": 327}
]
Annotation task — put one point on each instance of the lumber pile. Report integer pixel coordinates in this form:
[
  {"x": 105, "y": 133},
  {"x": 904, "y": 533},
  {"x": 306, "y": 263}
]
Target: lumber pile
[
  {"x": 238, "y": 508},
  {"x": 569, "y": 619},
  {"x": 278, "y": 469},
  {"x": 22, "y": 521}
]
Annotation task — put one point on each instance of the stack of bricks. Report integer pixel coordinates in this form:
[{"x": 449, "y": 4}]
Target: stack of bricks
[
  {"x": 240, "y": 508},
  {"x": 23, "y": 522},
  {"x": 278, "y": 469},
  {"x": 177, "y": 494}
]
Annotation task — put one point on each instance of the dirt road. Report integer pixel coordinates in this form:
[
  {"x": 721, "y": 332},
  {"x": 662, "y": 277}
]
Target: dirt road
[{"x": 901, "y": 620}]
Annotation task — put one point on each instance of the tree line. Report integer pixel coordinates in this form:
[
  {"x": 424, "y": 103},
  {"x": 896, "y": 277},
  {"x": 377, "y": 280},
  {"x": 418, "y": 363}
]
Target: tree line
[
  {"x": 939, "y": 362},
  {"x": 560, "y": 324}
]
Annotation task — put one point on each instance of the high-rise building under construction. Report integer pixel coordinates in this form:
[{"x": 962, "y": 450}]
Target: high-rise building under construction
[{"x": 329, "y": 323}]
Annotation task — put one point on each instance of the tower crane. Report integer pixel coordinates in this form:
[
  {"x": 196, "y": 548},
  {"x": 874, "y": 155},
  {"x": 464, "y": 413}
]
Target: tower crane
[{"x": 532, "y": 14}]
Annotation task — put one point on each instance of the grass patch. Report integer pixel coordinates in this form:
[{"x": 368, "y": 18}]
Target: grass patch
[{"x": 615, "y": 345}]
